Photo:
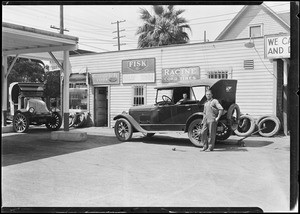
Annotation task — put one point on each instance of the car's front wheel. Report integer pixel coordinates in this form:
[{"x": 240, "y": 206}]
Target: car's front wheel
[
  {"x": 54, "y": 123},
  {"x": 20, "y": 123},
  {"x": 194, "y": 132},
  {"x": 123, "y": 129}
]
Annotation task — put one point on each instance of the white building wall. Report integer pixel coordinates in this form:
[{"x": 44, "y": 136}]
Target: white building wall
[
  {"x": 254, "y": 89},
  {"x": 255, "y": 14}
]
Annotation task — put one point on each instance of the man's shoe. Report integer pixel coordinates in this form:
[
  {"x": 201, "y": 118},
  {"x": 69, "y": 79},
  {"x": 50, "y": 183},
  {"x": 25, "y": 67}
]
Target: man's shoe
[{"x": 204, "y": 148}]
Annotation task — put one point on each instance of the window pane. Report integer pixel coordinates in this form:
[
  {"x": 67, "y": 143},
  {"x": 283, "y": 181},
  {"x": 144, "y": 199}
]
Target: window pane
[{"x": 255, "y": 31}]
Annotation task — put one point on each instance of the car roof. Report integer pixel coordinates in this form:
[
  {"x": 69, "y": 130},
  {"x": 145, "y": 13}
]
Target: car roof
[{"x": 190, "y": 83}]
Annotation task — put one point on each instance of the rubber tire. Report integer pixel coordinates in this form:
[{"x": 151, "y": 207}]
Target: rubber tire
[
  {"x": 58, "y": 122},
  {"x": 25, "y": 129},
  {"x": 230, "y": 112},
  {"x": 251, "y": 127},
  {"x": 192, "y": 125},
  {"x": 225, "y": 136},
  {"x": 274, "y": 131},
  {"x": 129, "y": 131},
  {"x": 71, "y": 119},
  {"x": 80, "y": 120}
]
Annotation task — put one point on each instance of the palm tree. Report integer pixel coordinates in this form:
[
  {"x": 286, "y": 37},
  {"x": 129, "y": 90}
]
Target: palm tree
[{"x": 165, "y": 27}]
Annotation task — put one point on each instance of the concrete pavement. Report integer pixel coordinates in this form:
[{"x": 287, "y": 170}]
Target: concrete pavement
[{"x": 163, "y": 171}]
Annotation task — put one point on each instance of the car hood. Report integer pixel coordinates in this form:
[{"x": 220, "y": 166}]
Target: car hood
[{"x": 38, "y": 105}]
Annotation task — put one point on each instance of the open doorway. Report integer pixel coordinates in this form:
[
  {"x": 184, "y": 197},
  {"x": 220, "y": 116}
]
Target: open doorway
[{"x": 101, "y": 107}]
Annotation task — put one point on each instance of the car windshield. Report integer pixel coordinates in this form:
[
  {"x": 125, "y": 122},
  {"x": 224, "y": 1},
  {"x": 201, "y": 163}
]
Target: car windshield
[
  {"x": 199, "y": 92},
  {"x": 163, "y": 93}
]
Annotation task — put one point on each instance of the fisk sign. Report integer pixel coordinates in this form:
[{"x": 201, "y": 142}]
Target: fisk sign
[
  {"x": 277, "y": 47},
  {"x": 138, "y": 70}
]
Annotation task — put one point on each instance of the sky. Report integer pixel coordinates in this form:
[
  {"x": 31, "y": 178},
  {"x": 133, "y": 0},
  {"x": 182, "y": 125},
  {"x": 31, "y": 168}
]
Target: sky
[{"x": 92, "y": 24}]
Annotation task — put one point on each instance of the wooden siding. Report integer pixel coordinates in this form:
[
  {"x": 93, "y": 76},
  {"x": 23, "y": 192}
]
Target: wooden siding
[
  {"x": 254, "y": 90},
  {"x": 255, "y": 14}
]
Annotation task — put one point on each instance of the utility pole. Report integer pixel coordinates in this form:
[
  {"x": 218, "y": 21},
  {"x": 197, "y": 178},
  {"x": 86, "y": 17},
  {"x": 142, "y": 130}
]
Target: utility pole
[
  {"x": 118, "y": 33},
  {"x": 61, "y": 31}
]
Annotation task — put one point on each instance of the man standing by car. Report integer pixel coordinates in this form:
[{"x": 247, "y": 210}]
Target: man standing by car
[{"x": 212, "y": 113}]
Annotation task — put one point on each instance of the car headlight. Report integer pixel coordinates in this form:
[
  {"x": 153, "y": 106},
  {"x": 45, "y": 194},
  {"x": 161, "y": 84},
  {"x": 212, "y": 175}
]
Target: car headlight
[
  {"x": 31, "y": 110},
  {"x": 124, "y": 112}
]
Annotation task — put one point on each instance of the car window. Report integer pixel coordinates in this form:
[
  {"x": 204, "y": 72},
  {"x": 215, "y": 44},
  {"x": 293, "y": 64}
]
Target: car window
[
  {"x": 166, "y": 92},
  {"x": 199, "y": 92}
]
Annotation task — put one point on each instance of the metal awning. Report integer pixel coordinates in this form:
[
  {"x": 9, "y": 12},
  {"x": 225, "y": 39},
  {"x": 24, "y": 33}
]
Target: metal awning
[{"x": 35, "y": 43}]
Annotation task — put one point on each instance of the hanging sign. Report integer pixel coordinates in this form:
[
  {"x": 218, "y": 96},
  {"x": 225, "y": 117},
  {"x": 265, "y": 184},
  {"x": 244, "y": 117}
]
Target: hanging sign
[
  {"x": 138, "y": 70},
  {"x": 177, "y": 74},
  {"x": 109, "y": 78},
  {"x": 277, "y": 47}
]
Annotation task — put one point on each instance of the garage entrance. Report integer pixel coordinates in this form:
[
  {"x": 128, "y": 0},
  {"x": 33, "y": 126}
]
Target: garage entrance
[{"x": 101, "y": 107}]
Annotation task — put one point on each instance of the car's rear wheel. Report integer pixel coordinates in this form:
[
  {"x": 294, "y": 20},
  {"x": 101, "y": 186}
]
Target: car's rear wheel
[
  {"x": 194, "y": 132},
  {"x": 54, "y": 123},
  {"x": 123, "y": 129},
  {"x": 20, "y": 123}
]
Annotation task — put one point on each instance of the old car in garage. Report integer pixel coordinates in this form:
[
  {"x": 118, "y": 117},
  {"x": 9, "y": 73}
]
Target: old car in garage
[
  {"x": 27, "y": 107},
  {"x": 167, "y": 114}
]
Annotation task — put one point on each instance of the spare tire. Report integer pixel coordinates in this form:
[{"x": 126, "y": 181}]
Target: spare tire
[
  {"x": 233, "y": 116},
  {"x": 271, "y": 126},
  {"x": 80, "y": 120},
  {"x": 246, "y": 126}
]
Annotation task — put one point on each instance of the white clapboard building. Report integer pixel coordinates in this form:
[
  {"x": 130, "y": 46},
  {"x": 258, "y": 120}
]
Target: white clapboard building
[{"x": 246, "y": 52}]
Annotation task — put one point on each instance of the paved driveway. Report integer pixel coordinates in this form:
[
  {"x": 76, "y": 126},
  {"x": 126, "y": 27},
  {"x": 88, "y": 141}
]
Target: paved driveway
[{"x": 163, "y": 171}]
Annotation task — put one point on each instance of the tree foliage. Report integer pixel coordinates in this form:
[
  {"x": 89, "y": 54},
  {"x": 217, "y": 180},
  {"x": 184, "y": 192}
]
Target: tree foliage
[
  {"x": 26, "y": 70},
  {"x": 52, "y": 88},
  {"x": 164, "y": 27}
]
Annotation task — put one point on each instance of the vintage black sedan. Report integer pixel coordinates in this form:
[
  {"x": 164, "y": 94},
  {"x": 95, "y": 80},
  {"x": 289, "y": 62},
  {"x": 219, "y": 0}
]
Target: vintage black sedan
[{"x": 168, "y": 113}]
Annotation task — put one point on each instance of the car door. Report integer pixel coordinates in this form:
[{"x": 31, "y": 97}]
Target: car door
[{"x": 181, "y": 112}]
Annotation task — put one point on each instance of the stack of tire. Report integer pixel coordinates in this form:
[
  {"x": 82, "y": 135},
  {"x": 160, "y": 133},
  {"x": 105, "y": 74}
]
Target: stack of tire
[
  {"x": 78, "y": 119},
  {"x": 267, "y": 126}
]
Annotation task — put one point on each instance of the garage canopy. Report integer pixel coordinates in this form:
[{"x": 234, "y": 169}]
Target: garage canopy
[
  {"x": 35, "y": 43},
  {"x": 26, "y": 42}
]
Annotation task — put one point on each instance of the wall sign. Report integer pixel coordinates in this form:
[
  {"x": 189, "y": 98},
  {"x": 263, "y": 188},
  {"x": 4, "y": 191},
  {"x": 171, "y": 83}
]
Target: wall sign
[
  {"x": 178, "y": 74},
  {"x": 138, "y": 70},
  {"x": 277, "y": 47},
  {"x": 111, "y": 78}
]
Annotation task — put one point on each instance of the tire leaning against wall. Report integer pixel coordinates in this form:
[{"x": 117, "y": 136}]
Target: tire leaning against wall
[
  {"x": 272, "y": 124},
  {"x": 246, "y": 126},
  {"x": 233, "y": 108},
  {"x": 81, "y": 119}
]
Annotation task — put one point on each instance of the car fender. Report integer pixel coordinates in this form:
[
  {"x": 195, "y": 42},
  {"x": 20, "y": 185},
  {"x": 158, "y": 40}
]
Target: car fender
[
  {"x": 191, "y": 118},
  {"x": 132, "y": 121}
]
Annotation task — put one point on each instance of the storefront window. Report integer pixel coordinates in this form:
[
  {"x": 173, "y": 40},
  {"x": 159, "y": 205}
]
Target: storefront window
[{"x": 78, "y": 96}]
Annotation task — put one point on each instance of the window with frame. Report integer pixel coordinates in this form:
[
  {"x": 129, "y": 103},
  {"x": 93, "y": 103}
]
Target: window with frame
[
  {"x": 255, "y": 31},
  {"x": 139, "y": 93},
  {"x": 219, "y": 74}
]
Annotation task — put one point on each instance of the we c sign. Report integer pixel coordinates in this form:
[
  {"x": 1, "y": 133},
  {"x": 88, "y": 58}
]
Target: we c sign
[{"x": 277, "y": 47}]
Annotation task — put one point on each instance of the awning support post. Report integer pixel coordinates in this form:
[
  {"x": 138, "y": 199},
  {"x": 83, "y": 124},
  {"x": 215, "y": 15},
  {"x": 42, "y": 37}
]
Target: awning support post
[
  {"x": 11, "y": 66},
  {"x": 4, "y": 89},
  {"x": 66, "y": 69},
  {"x": 56, "y": 61}
]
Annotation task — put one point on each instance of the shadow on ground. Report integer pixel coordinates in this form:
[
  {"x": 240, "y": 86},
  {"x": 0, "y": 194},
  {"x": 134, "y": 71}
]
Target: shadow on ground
[
  {"x": 227, "y": 145},
  {"x": 36, "y": 144}
]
